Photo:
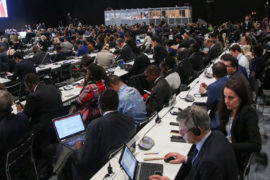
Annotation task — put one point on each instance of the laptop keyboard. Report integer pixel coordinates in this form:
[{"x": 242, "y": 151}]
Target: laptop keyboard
[
  {"x": 148, "y": 169},
  {"x": 73, "y": 141}
]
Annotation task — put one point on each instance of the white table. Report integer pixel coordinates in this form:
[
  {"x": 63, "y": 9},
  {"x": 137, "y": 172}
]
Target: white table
[
  {"x": 161, "y": 135},
  {"x": 4, "y": 80},
  {"x": 31, "y": 55}
]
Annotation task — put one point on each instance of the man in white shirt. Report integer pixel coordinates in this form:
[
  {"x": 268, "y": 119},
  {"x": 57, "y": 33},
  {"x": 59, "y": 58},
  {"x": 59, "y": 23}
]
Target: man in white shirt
[{"x": 235, "y": 51}]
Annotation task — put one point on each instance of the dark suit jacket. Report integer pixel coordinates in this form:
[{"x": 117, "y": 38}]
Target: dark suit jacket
[
  {"x": 196, "y": 61},
  {"x": 140, "y": 64},
  {"x": 185, "y": 71},
  {"x": 14, "y": 130},
  {"x": 212, "y": 53},
  {"x": 257, "y": 65},
  {"x": 103, "y": 136},
  {"x": 126, "y": 53},
  {"x": 216, "y": 160},
  {"x": 59, "y": 57},
  {"x": 160, "y": 96},
  {"x": 214, "y": 93},
  {"x": 42, "y": 106},
  {"x": 243, "y": 70},
  {"x": 245, "y": 135},
  {"x": 159, "y": 53},
  {"x": 22, "y": 68},
  {"x": 41, "y": 57},
  {"x": 246, "y": 27}
]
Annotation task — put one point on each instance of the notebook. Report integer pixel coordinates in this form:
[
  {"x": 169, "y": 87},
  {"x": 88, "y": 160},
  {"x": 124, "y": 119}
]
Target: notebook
[
  {"x": 69, "y": 129},
  {"x": 137, "y": 170}
]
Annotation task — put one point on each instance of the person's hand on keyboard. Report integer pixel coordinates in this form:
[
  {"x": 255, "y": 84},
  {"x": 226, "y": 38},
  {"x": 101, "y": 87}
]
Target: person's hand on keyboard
[
  {"x": 158, "y": 177},
  {"x": 78, "y": 144}
]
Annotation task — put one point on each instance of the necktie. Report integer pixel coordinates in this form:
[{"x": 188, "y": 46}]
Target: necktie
[{"x": 195, "y": 154}]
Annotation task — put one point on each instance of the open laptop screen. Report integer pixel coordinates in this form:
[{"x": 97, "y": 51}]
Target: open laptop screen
[
  {"x": 128, "y": 162},
  {"x": 68, "y": 125}
]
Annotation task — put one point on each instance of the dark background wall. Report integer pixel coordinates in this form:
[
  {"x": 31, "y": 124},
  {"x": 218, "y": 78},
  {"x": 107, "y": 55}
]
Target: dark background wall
[{"x": 92, "y": 11}]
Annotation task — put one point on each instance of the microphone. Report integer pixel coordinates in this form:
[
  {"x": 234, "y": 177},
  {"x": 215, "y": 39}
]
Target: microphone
[
  {"x": 109, "y": 168},
  {"x": 146, "y": 143},
  {"x": 190, "y": 98}
]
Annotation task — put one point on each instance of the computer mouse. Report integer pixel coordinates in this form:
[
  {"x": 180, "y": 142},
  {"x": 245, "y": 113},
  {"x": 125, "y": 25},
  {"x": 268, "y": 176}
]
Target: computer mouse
[
  {"x": 169, "y": 159},
  {"x": 146, "y": 143}
]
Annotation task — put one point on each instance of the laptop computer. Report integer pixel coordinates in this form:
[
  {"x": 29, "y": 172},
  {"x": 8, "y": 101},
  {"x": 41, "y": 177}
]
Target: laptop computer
[
  {"x": 69, "y": 129},
  {"x": 137, "y": 170}
]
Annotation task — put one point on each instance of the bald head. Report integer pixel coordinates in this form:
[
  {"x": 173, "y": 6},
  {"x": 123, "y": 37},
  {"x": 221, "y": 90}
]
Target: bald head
[
  {"x": 35, "y": 48},
  {"x": 5, "y": 102}
]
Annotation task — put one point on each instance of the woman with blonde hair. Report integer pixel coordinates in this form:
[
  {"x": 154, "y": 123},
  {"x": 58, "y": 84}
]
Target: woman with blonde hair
[
  {"x": 43, "y": 43},
  {"x": 246, "y": 50}
]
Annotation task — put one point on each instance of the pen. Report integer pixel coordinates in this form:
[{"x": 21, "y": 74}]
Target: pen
[
  {"x": 152, "y": 159},
  {"x": 150, "y": 153}
]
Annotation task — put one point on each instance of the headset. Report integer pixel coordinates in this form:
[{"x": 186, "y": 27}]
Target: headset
[{"x": 195, "y": 130}]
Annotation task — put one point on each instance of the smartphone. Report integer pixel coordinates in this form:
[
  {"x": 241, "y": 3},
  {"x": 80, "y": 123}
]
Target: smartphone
[
  {"x": 174, "y": 124},
  {"x": 178, "y": 140}
]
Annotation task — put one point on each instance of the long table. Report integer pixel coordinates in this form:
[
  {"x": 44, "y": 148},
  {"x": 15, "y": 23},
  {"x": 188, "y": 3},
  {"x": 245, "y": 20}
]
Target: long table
[
  {"x": 160, "y": 133},
  {"x": 4, "y": 80}
]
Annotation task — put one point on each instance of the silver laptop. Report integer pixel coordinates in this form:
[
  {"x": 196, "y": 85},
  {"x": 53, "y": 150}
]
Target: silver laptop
[{"x": 69, "y": 129}]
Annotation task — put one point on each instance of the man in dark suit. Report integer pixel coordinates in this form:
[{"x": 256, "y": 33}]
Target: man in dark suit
[
  {"x": 60, "y": 56},
  {"x": 161, "y": 91},
  {"x": 14, "y": 129},
  {"x": 125, "y": 52},
  {"x": 213, "y": 50},
  {"x": 22, "y": 68},
  {"x": 196, "y": 57},
  {"x": 247, "y": 25},
  {"x": 43, "y": 104},
  {"x": 214, "y": 91},
  {"x": 4, "y": 60},
  {"x": 184, "y": 67},
  {"x": 103, "y": 136},
  {"x": 40, "y": 57},
  {"x": 159, "y": 51},
  {"x": 211, "y": 156}
]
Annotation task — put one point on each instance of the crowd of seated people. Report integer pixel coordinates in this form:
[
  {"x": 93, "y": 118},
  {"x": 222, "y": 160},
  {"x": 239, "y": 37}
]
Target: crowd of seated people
[{"x": 113, "y": 107}]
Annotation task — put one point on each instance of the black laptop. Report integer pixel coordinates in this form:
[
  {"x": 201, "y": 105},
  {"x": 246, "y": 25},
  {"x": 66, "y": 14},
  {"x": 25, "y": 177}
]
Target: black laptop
[
  {"x": 137, "y": 170},
  {"x": 69, "y": 129}
]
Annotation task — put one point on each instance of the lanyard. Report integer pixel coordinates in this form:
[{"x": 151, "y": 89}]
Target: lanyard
[{"x": 230, "y": 127}]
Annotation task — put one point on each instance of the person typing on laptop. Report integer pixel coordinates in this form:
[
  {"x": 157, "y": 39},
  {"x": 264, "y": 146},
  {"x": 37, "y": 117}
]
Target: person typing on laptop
[
  {"x": 211, "y": 155},
  {"x": 103, "y": 135}
]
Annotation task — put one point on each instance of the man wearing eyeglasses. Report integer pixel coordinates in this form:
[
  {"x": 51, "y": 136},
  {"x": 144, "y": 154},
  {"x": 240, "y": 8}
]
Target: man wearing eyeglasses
[{"x": 211, "y": 156}]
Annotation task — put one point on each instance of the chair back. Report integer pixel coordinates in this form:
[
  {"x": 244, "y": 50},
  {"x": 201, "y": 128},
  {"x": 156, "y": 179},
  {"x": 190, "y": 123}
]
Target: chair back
[
  {"x": 146, "y": 121},
  {"x": 14, "y": 87},
  {"x": 17, "y": 153},
  {"x": 44, "y": 72},
  {"x": 65, "y": 72}
]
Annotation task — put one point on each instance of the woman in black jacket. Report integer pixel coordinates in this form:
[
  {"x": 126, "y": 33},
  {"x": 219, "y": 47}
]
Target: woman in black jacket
[{"x": 239, "y": 121}]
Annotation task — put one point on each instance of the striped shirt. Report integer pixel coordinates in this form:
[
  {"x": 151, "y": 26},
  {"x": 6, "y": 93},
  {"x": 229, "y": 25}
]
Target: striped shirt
[{"x": 90, "y": 91}]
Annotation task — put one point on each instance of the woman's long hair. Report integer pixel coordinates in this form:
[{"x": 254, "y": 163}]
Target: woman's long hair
[{"x": 241, "y": 90}]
